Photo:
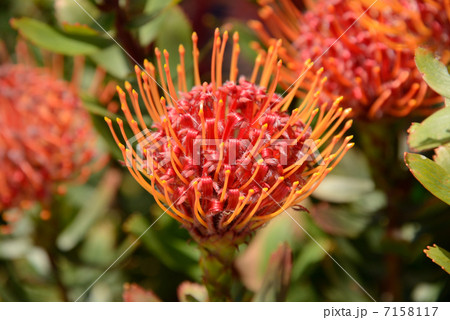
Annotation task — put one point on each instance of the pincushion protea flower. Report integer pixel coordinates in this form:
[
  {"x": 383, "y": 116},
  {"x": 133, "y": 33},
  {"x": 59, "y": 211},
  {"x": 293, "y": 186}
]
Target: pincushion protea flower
[
  {"x": 45, "y": 134},
  {"x": 375, "y": 79},
  {"x": 225, "y": 157},
  {"x": 408, "y": 23}
]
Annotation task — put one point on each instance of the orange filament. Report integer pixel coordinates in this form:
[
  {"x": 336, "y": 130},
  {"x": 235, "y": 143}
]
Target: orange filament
[
  {"x": 234, "y": 57},
  {"x": 219, "y": 165},
  {"x": 249, "y": 181},
  {"x": 225, "y": 185},
  {"x": 239, "y": 208}
]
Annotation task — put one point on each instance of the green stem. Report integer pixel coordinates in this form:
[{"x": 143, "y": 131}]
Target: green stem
[
  {"x": 217, "y": 264},
  {"x": 217, "y": 268}
]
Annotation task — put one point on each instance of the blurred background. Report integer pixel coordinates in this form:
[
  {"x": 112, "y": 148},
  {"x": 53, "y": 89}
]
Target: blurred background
[{"x": 370, "y": 214}]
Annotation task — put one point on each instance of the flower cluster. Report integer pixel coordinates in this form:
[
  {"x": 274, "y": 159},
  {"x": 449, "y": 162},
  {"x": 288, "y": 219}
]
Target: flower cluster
[
  {"x": 226, "y": 157},
  {"x": 46, "y": 138},
  {"x": 375, "y": 79}
]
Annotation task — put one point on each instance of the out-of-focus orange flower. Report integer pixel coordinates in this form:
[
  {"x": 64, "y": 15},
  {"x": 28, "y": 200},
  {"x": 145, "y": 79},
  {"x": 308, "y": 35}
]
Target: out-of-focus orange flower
[
  {"x": 408, "y": 23},
  {"x": 46, "y": 136},
  {"x": 225, "y": 157},
  {"x": 375, "y": 79}
]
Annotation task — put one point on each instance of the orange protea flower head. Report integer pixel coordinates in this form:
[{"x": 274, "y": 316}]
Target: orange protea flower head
[
  {"x": 45, "y": 134},
  {"x": 375, "y": 79},
  {"x": 225, "y": 157},
  {"x": 408, "y": 23}
]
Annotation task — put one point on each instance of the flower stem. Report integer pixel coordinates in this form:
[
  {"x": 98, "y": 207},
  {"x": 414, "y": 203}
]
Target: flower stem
[{"x": 216, "y": 262}]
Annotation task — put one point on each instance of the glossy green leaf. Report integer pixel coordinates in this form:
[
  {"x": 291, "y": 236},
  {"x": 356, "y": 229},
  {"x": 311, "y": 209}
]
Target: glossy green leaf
[
  {"x": 432, "y": 132},
  {"x": 431, "y": 175},
  {"x": 277, "y": 276},
  {"x": 50, "y": 39},
  {"x": 434, "y": 72},
  {"x": 439, "y": 256}
]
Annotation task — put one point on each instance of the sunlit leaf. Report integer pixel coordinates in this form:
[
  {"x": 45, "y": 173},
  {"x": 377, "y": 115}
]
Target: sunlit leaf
[
  {"x": 49, "y": 38},
  {"x": 432, "y": 132},
  {"x": 435, "y": 73},
  {"x": 14, "y": 248},
  {"x": 439, "y": 256},
  {"x": 348, "y": 182},
  {"x": 69, "y": 11},
  {"x": 112, "y": 59},
  {"x": 342, "y": 189},
  {"x": 431, "y": 175}
]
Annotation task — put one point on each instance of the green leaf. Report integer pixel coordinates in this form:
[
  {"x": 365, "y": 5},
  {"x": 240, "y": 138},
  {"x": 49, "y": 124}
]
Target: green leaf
[
  {"x": 50, "y": 39},
  {"x": 310, "y": 255},
  {"x": 432, "y": 132},
  {"x": 349, "y": 219},
  {"x": 99, "y": 246},
  {"x": 177, "y": 30},
  {"x": 94, "y": 207},
  {"x": 69, "y": 11},
  {"x": 95, "y": 109},
  {"x": 154, "y": 16},
  {"x": 434, "y": 72},
  {"x": 79, "y": 29},
  {"x": 112, "y": 59},
  {"x": 171, "y": 250},
  {"x": 277, "y": 277},
  {"x": 349, "y": 181},
  {"x": 431, "y": 175},
  {"x": 439, "y": 256},
  {"x": 14, "y": 248},
  {"x": 342, "y": 189}
]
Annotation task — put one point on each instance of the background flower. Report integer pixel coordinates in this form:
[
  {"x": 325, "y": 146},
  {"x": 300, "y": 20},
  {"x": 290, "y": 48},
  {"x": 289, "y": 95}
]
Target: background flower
[
  {"x": 47, "y": 139},
  {"x": 374, "y": 79}
]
